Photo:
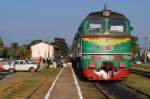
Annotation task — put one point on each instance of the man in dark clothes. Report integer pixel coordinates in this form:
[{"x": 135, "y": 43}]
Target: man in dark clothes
[
  {"x": 48, "y": 62},
  {"x": 44, "y": 61}
]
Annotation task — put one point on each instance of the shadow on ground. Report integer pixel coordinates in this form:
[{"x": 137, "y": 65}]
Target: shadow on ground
[{"x": 3, "y": 74}]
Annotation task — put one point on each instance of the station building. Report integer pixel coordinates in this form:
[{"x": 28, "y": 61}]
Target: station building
[{"x": 42, "y": 50}]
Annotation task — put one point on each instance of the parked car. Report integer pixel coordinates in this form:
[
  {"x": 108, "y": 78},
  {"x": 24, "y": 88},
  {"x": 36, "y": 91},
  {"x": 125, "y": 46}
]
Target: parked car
[
  {"x": 32, "y": 61},
  {"x": 21, "y": 65},
  {"x": 1, "y": 68}
]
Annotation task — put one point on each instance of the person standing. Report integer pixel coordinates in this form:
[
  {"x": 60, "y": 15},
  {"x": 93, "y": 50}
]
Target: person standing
[
  {"x": 48, "y": 62},
  {"x": 43, "y": 61},
  {"x": 40, "y": 60}
]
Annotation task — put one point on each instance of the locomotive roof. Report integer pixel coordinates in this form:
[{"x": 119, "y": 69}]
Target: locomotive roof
[{"x": 99, "y": 15}]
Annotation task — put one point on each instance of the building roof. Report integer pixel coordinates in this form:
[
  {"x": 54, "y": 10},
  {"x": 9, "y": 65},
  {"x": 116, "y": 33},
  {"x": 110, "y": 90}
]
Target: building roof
[{"x": 40, "y": 44}]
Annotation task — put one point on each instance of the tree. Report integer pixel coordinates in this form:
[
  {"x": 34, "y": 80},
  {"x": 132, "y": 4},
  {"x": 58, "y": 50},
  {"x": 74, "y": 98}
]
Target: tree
[
  {"x": 16, "y": 51},
  {"x": 22, "y": 52},
  {"x": 62, "y": 45},
  {"x": 14, "y": 45},
  {"x": 1, "y": 48},
  {"x": 12, "y": 51},
  {"x": 5, "y": 55},
  {"x": 135, "y": 46},
  {"x": 28, "y": 46}
]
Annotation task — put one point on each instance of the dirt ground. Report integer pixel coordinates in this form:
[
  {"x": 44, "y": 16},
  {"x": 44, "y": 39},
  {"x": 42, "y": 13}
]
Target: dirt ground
[{"x": 21, "y": 85}]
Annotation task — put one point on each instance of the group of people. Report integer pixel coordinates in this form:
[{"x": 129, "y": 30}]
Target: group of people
[{"x": 49, "y": 63}]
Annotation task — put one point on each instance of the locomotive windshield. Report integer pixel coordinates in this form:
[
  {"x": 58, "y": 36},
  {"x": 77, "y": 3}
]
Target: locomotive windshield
[
  {"x": 95, "y": 26},
  {"x": 117, "y": 26}
]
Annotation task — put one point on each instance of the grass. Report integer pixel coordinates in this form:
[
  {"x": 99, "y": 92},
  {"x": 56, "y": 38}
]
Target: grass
[
  {"x": 46, "y": 83},
  {"x": 49, "y": 71},
  {"x": 139, "y": 82},
  {"x": 142, "y": 67},
  {"x": 24, "y": 86}
]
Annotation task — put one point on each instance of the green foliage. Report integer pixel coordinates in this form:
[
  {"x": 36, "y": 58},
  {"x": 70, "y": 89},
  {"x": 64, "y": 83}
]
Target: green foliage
[
  {"x": 14, "y": 45},
  {"x": 135, "y": 46},
  {"x": 12, "y": 53},
  {"x": 28, "y": 46},
  {"x": 49, "y": 71},
  {"x": 143, "y": 67},
  {"x": 1, "y": 48},
  {"x": 142, "y": 83},
  {"x": 16, "y": 51},
  {"x": 62, "y": 45},
  {"x": 22, "y": 52}
]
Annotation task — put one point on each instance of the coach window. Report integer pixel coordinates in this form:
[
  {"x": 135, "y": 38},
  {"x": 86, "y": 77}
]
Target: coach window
[
  {"x": 117, "y": 26},
  {"x": 22, "y": 62},
  {"x": 96, "y": 26},
  {"x": 16, "y": 62}
]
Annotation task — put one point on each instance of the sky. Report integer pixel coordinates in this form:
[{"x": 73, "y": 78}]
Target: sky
[{"x": 25, "y": 20}]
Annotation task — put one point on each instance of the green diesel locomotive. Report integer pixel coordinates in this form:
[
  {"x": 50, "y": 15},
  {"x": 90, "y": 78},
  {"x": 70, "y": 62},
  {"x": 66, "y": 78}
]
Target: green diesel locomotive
[{"x": 102, "y": 46}]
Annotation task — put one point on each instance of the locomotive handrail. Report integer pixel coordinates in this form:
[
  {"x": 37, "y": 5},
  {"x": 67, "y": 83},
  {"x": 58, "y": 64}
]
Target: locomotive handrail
[
  {"x": 107, "y": 53},
  {"x": 105, "y": 35}
]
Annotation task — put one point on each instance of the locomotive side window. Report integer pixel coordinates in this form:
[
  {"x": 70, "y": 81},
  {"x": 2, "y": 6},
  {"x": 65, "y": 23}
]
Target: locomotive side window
[
  {"x": 95, "y": 26},
  {"x": 117, "y": 26}
]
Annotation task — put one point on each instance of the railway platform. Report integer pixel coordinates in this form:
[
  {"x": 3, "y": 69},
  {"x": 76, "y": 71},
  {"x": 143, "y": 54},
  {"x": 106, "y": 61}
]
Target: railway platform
[{"x": 65, "y": 86}]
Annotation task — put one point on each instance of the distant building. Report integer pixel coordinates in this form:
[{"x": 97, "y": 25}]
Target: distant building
[{"x": 42, "y": 50}]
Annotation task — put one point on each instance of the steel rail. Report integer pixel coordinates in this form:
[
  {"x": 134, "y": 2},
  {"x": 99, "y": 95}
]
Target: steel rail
[
  {"x": 138, "y": 91},
  {"x": 101, "y": 91},
  {"x": 114, "y": 89},
  {"x": 140, "y": 72}
]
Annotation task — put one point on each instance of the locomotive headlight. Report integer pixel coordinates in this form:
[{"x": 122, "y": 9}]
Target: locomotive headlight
[
  {"x": 106, "y": 13},
  {"x": 128, "y": 57},
  {"x": 86, "y": 57}
]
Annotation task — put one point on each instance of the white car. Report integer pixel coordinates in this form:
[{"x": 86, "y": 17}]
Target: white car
[{"x": 21, "y": 65}]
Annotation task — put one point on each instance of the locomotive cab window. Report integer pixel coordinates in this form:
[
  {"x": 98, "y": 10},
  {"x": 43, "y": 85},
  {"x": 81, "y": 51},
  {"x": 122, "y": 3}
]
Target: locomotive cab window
[
  {"x": 117, "y": 26},
  {"x": 95, "y": 26}
]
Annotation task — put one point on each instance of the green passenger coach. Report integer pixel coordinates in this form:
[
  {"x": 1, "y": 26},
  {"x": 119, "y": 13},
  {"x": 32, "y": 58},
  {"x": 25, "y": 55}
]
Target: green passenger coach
[{"x": 102, "y": 46}]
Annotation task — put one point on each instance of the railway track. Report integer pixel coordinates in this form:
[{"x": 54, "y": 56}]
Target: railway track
[
  {"x": 115, "y": 90},
  {"x": 140, "y": 72},
  {"x": 102, "y": 91},
  {"x": 138, "y": 91}
]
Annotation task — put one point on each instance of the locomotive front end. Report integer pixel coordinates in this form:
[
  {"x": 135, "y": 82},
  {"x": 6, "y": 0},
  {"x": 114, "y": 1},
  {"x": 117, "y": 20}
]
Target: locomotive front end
[{"x": 105, "y": 46}]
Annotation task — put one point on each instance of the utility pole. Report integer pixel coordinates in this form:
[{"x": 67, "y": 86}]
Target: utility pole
[
  {"x": 3, "y": 48},
  {"x": 49, "y": 50},
  {"x": 145, "y": 39}
]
